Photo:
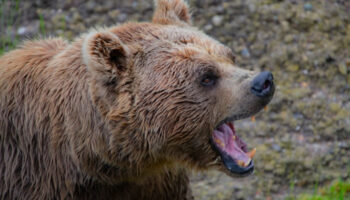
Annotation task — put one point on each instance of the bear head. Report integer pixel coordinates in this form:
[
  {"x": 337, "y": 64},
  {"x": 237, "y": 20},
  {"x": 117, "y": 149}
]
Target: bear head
[{"x": 170, "y": 94}]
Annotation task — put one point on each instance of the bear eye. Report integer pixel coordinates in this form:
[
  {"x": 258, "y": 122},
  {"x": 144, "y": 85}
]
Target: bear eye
[{"x": 208, "y": 80}]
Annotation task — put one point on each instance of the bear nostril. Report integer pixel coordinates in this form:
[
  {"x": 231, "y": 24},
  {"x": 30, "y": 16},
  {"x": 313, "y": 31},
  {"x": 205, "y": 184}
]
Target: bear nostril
[
  {"x": 266, "y": 85},
  {"x": 262, "y": 85}
]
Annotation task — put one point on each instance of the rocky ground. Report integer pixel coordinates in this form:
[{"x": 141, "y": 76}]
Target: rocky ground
[{"x": 303, "y": 138}]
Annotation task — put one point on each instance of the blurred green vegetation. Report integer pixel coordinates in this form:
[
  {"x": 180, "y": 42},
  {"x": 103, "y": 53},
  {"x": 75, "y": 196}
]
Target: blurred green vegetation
[
  {"x": 8, "y": 10},
  {"x": 10, "y": 14},
  {"x": 42, "y": 24},
  {"x": 339, "y": 190}
]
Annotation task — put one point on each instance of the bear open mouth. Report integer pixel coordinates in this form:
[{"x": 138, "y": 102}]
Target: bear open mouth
[{"x": 233, "y": 151}]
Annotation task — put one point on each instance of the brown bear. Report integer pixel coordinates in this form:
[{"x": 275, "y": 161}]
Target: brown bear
[{"x": 122, "y": 112}]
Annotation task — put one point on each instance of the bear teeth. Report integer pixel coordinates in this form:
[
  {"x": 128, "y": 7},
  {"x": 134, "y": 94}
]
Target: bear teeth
[{"x": 251, "y": 153}]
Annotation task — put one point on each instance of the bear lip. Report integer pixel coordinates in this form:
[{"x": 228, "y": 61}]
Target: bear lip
[{"x": 233, "y": 150}]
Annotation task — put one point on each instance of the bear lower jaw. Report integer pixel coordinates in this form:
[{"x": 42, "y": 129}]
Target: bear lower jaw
[{"x": 236, "y": 161}]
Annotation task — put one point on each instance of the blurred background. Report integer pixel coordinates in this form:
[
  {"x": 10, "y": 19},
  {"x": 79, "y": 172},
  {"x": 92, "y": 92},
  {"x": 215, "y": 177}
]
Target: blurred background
[{"x": 303, "y": 137}]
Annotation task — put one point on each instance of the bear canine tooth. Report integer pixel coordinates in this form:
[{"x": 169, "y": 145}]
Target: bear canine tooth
[
  {"x": 242, "y": 163},
  {"x": 251, "y": 153}
]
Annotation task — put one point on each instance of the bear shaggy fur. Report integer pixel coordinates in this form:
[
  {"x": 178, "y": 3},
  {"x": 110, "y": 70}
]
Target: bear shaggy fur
[{"x": 119, "y": 113}]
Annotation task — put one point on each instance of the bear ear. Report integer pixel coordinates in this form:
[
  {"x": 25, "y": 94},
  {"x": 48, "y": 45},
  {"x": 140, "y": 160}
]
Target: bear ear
[
  {"x": 171, "y": 12},
  {"x": 105, "y": 56}
]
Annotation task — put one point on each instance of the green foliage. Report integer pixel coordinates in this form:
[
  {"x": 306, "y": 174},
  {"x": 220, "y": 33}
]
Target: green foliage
[
  {"x": 9, "y": 16},
  {"x": 42, "y": 23},
  {"x": 339, "y": 190},
  {"x": 8, "y": 9}
]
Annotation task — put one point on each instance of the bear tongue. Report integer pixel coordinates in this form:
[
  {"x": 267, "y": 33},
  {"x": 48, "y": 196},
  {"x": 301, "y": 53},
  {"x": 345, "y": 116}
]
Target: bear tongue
[{"x": 227, "y": 141}]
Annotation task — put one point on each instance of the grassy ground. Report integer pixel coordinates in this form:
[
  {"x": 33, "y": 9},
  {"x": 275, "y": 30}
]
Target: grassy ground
[
  {"x": 303, "y": 138},
  {"x": 339, "y": 190},
  {"x": 10, "y": 20},
  {"x": 7, "y": 22}
]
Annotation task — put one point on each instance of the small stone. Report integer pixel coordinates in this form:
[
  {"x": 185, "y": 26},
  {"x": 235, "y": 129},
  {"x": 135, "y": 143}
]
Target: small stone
[
  {"x": 76, "y": 17},
  {"x": 208, "y": 27},
  {"x": 114, "y": 13},
  {"x": 220, "y": 9},
  {"x": 293, "y": 68},
  {"x": 285, "y": 25},
  {"x": 335, "y": 107},
  {"x": 269, "y": 166},
  {"x": 245, "y": 52},
  {"x": 252, "y": 8},
  {"x": 288, "y": 38},
  {"x": 276, "y": 147},
  {"x": 122, "y": 17},
  {"x": 308, "y": 7},
  {"x": 343, "y": 69},
  {"x": 90, "y": 6},
  {"x": 217, "y": 20},
  {"x": 21, "y": 31}
]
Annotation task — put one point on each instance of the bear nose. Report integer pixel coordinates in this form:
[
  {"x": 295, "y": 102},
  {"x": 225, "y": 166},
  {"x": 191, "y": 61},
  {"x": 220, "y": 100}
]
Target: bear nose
[{"x": 262, "y": 85}]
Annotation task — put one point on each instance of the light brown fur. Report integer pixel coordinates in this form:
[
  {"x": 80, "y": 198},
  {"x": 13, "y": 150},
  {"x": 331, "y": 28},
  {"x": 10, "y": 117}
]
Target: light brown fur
[{"x": 118, "y": 113}]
